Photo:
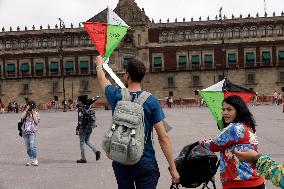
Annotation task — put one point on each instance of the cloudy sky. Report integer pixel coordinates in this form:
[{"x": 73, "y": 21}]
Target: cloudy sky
[{"x": 43, "y": 12}]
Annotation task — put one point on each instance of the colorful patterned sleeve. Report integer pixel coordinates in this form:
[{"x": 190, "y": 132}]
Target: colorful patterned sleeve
[
  {"x": 271, "y": 170},
  {"x": 233, "y": 134}
]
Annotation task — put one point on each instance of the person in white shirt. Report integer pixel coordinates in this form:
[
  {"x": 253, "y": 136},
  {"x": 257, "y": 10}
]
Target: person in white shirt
[{"x": 275, "y": 97}]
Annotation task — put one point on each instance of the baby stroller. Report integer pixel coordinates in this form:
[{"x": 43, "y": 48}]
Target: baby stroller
[{"x": 196, "y": 165}]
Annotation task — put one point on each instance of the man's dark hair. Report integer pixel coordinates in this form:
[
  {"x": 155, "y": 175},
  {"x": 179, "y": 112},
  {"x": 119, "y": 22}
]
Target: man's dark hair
[
  {"x": 136, "y": 70},
  {"x": 83, "y": 98},
  {"x": 243, "y": 113}
]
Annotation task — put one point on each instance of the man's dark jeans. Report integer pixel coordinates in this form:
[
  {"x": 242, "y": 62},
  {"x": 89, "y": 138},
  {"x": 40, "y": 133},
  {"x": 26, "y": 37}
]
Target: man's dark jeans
[
  {"x": 145, "y": 174},
  {"x": 84, "y": 135}
]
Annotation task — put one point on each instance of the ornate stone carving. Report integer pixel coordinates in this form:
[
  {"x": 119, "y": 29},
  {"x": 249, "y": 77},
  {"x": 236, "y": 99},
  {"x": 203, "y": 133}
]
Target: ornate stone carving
[{"x": 131, "y": 13}]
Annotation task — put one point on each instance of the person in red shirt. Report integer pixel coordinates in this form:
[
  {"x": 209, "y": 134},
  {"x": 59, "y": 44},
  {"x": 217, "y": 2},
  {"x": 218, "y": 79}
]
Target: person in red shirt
[
  {"x": 239, "y": 132},
  {"x": 2, "y": 107}
]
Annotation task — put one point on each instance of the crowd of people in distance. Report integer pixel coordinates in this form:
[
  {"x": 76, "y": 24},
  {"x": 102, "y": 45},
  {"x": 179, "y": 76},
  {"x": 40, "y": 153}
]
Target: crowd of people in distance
[{"x": 241, "y": 164}]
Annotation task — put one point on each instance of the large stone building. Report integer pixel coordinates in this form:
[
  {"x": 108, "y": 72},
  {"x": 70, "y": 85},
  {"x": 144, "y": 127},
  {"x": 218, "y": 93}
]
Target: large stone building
[{"x": 180, "y": 56}]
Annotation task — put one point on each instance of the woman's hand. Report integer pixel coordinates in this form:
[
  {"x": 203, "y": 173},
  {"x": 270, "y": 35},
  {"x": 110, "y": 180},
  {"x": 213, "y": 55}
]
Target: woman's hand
[
  {"x": 246, "y": 155},
  {"x": 27, "y": 108},
  {"x": 25, "y": 112}
]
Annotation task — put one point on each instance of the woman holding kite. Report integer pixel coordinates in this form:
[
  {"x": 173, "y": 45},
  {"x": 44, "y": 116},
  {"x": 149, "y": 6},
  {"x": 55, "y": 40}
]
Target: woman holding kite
[{"x": 238, "y": 133}]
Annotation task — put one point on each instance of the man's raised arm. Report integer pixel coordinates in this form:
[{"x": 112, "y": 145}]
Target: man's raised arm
[{"x": 103, "y": 81}]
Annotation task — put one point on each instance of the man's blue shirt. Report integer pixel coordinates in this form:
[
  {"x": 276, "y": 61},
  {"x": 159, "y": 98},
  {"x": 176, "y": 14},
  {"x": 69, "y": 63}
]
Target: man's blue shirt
[{"x": 153, "y": 114}]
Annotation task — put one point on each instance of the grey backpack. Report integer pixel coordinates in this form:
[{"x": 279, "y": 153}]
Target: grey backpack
[{"x": 125, "y": 140}]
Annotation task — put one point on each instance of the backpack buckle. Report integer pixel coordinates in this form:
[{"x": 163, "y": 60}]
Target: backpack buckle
[
  {"x": 132, "y": 133},
  {"x": 113, "y": 127}
]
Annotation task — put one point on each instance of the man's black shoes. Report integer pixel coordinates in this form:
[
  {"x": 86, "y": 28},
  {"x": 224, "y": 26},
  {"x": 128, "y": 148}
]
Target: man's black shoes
[
  {"x": 81, "y": 161},
  {"x": 98, "y": 155}
]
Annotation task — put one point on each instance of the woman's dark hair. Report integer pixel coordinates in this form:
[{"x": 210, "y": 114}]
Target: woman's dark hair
[
  {"x": 136, "y": 70},
  {"x": 243, "y": 113},
  {"x": 32, "y": 104}
]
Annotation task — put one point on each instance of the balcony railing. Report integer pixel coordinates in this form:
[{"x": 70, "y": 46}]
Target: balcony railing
[
  {"x": 54, "y": 73},
  {"x": 11, "y": 74},
  {"x": 182, "y": 67},
  {"x": 84, "y": 71},
  {"x": 219, "y": 66},
  {"x": 25, "y": 74},
  {"x": 263, "y": 64},
  {"x": 232, "y": 65},
  {"x": 195, "y": 66},
  {"x": 157, "y": 69},
  {"x": 39, "y": 73},
  {"x": 281, "y": 63},
  {"x": 249, "y": 64},
  {"x": 68, "y": 73},
  {"x": 208, "y": 66}
]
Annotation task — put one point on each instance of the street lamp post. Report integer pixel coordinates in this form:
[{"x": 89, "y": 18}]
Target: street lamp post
[
  {"x": 72, "y": 91},
  {"x": 61, "y": 54},
  {"x": 222, "y": 44}
]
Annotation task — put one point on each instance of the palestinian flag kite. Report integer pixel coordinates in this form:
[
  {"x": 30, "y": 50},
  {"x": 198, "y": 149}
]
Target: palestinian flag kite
[
  {"x": 215, "y": 94},
  {"x": 106, "y": 31}
]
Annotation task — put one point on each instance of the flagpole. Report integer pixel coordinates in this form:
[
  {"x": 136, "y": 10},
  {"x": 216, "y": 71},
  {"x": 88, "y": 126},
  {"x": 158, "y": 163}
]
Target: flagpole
[
  {"x": 222, "y": 44},
  {"x": 107, "y": 14},
  {"x": 112, "y": 74},
  {"x": 61, "y": 53}
]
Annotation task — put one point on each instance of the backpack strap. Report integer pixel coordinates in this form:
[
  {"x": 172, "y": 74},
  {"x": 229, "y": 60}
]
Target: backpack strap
[
  {"x": 125, "y": 94},
  {"x": 143, "y": 97},
  {"x": 140, "y": 100}
]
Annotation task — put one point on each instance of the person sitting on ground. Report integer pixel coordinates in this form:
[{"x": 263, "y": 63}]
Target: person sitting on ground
[{"x": 271, "y": 170}]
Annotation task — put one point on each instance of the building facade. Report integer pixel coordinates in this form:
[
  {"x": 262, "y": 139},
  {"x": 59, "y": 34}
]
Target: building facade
[{"x": 181, "y": 56}]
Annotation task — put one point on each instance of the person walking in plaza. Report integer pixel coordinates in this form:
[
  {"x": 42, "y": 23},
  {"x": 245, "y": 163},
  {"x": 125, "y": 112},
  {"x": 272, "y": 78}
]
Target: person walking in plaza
[
  {"x": 30, "y": 118},
  {"x": 53, "y": 106},
  {"x": 265, "y": 166},
  {"x": 86, "y": 123},
  {"x": 145, "y": 173},
  {"x": 275, "y": 95},
  {"x": 167, "y": 101},
  {"x": 2, "y": 107},
  {"x": 279, "y": 98},
  {"x": 239, "y": 132},
  {"x": 170, "y": 101}
]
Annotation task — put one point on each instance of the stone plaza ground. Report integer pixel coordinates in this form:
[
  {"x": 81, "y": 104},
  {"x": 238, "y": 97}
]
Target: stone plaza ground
[{"x": 58, "y": 148}]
